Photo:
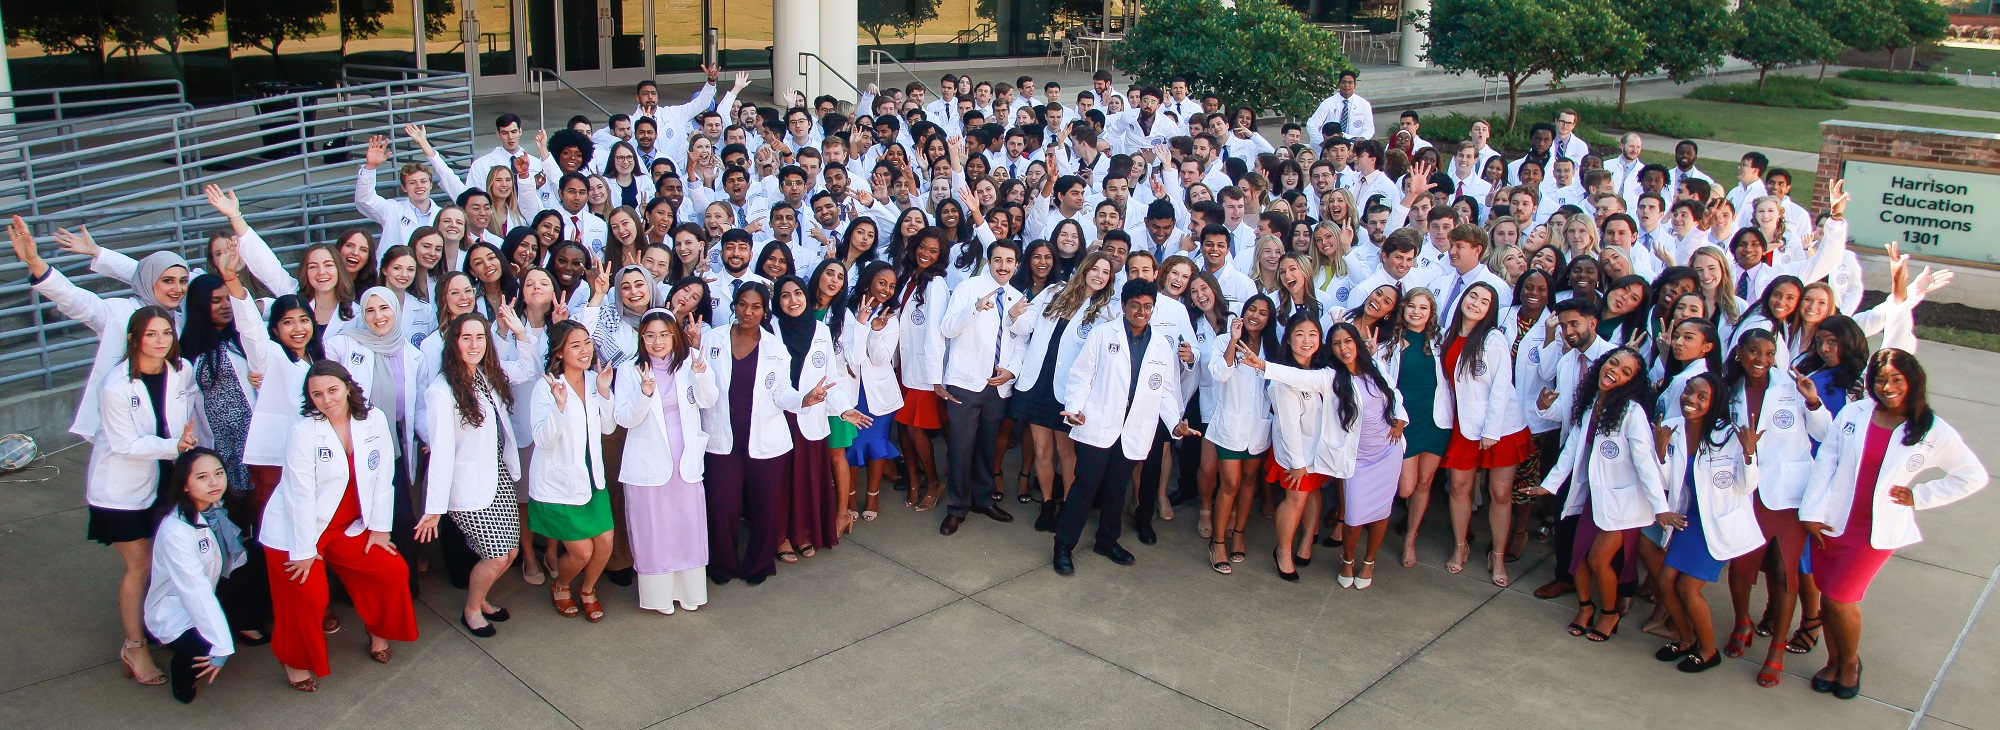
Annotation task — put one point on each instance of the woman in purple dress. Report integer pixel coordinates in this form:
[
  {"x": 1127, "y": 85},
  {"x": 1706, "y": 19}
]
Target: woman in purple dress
[{"x": 660, "y": 397}]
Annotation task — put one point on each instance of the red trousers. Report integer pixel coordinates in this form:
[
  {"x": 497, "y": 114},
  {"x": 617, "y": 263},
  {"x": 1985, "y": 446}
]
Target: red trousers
[{"x": 378, "y": 581}]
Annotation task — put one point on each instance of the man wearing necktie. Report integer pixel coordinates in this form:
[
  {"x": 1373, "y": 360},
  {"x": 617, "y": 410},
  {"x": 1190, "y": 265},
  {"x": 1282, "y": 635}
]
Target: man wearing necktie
[
  {"x": 1353, "y": 112},
  {"x": 979, "y": 349}
]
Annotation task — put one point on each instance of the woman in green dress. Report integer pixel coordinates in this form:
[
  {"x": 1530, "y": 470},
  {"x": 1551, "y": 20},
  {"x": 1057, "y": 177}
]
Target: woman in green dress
[{"x": 1412, "y": 357}]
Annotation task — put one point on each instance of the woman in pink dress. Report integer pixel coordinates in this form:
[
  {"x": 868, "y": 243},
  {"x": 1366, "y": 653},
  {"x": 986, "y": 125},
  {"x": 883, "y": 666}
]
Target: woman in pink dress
[
  {"x": 1860, "y": 504},
  {"x": 660, "y": 395}
]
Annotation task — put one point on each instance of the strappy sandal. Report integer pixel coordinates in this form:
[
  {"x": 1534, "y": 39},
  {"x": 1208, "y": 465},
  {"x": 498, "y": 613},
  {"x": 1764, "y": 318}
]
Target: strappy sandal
[
  {"x": 309, "y": 684},
  {"x": 930, "y": 500},
  {"x": 564, "y": 606},
  {"x": 787, "y": 556},
  {"x": 1579, "y": 629},
  {"x": 155, "y": 679},
  {"x": 869, "y": 515},
  {"x": 1457, "y": 563},
  {"x": 1220, "y": 566},
  {"x": 1236, "y": 556},
  {"x": 1346, "y": 567},
  {"x": 1771, "y": 673},
  {"x": 1738, "y": 640},
  {"x": 1806, "y": 638},
  {"x": 382, "y": 655},
  {"x": 1764, "y": 624},
  {"x": 1497, "y": 561},
  {"x": 1598, "y": 636},
  {"x": 592, "y": 610},
  {"x": 807, "y": 552}
]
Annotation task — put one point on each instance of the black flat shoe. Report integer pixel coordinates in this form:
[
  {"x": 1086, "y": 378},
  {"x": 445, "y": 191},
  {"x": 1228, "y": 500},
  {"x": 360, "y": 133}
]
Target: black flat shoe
[
  {"x": 1292, "y": 576},
  {"x": 496, "y": 616},
  {"x": 1848, "y": 691},
  {"x": 1672, "y": 652},
  {"x": 758, "y": 579},
  {"x": 1820, "y": 684},
  {"x": 1329, "y": 541},
  {"x": 1046, "y": 521},
  {"x": 622, "y": 578},
  {"x": 483, "y": 632},
  {"x": 1696, "y": 665},
  {"x": 718, "y": 580},
  {"x": 247, "y": 641},
  {"x": 1118, "y": 554}
]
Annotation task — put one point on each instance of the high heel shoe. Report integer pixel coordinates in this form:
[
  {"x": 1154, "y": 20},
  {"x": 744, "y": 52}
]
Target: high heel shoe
[
  {"x": 1458, "y": 555},
  {"x": 1738, "y": 640},
  {"x": 1360, "y": 583},
  {"x": 155, "y": 679},
  {"x": 1235, "y": 556},
  {"x": 1580, "y": 628},
  {"x": 1276, "y": 562},
  {"x": 1346, "y": 566},
  {"x": 1600, "y": 636},
  {"x": 1220, "y": 566},
  {"x": 869, "y": 515},
  {"x": 1497, "y": 561}
]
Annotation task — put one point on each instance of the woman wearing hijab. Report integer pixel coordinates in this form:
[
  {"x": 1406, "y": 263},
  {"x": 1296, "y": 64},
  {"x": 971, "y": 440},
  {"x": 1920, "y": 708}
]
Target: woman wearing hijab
[
  {"x": 660, "y": 397},
  {"x": 163, "y": 278},
  {"x": 808, "y": 510},
  {"x": 385, "y": 365}
]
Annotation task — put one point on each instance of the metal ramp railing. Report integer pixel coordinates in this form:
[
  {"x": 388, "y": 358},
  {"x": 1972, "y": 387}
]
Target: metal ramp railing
[{"x": 136, "y": 182}]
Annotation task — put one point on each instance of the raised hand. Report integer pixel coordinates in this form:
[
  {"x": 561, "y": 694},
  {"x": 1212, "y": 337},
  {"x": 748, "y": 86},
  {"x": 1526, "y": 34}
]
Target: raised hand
[
  {"x": 187, "y": 437},
  {"x": 605, "y": 377},
  {"x": 1020, "y": 307},
  {"x": 711, "y": 72},
  {"x": 1807, "y": 388},
  {"x": 817, "y": 395},
  {"x": 223, "y": 201},
  {"x": 1245, "y": 356},
  {"x": 560, "y": 389},
  {"x": 742, "y": 80},
  {"x": 1837, "y": 196},
  {"x": 1748, "y": 437},
  {"x": 646, "y": 381},
  {"x": 1930, "y": 281},
  {"x": 24, "y": 247},
  {"x": 986, "y": 302},
  {"x": 378, "y": 151},
  {"x": 79, "y": 242}
]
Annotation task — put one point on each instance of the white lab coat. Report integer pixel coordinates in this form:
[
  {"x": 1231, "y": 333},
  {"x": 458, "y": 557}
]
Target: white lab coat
[
  {"x": 922, "y": 341},
  {"x": 1482, "y": 402},
  {"x": 1098, "y": 382},
  {"x": 871, "y": 355},
  {"x": 282, "y": 393},
  {"x": 774, "y": 394},
  {"x": 108, "y": 318},
  {"x": 979, "y": 340},
  {"x": 124, "y": 469},
  {"x": 463, "y": 476},
  {"x": 1625, "y": 487},
  {"x": 316, "y": 479},
  {"x": 181, "y": 595},
  {"x": 1786, "y": 431},
  {"x": 1723, "y": 486},
  {"x": 645, "y": 460},
  {"x": 569, "y": 448},
  {"x": 1243, "y": 410},
  {"x": 1829, "y": 495},
  {"x": 1529, "y": 380},
  {"x": 1336, "y": 449},
  {"x": 1040, "y": 330}
]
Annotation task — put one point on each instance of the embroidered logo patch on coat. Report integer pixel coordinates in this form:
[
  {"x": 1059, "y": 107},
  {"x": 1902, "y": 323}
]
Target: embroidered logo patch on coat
[{"x": 1608, "y": 450}]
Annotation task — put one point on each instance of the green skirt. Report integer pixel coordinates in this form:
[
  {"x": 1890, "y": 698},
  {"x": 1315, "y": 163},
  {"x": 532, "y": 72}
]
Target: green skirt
[
  {"x": 1222, "y": 454},
  {"x": 572, "y": 522},
  {"x": 843, "y": 433}
]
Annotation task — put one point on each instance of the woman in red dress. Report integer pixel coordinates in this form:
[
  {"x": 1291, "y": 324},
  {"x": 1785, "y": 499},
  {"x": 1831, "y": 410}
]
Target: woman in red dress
[
  {"x": 1488, "y": 430},
  {"x": 1860, "y": 503}
]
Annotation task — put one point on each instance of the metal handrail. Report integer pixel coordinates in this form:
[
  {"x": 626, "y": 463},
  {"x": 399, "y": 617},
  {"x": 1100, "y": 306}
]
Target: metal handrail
[
  {"x": 136, "y": 184},
  {"x": 803, "y": 55},
  {"x": 57, "y": 105},
  {"x": 67, "y": 114},
  {"x": 874, "y": 56},
  {"x": 537, "y": 75}
]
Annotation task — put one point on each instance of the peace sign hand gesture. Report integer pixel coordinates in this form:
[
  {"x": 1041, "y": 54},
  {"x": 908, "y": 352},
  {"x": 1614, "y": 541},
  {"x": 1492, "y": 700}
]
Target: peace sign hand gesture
[
  {"x": 187, "y": 437},
  {"x": 646, "y": 381},
  {"x": 560, "y": 389},
  {"x": 605, "y": 376},
  {"x": 817, "y": 395}
]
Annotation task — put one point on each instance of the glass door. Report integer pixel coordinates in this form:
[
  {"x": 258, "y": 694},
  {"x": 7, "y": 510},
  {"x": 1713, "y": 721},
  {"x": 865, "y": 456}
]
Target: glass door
[
  {"x": 489, "y": 40},
  {"x": 602, "y": 42}
]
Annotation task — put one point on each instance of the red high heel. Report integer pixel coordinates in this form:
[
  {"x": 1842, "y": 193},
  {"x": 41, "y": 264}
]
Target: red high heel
[
  {"x": 1771, "y": 673},
  {"x": 1738, "y": 640}
]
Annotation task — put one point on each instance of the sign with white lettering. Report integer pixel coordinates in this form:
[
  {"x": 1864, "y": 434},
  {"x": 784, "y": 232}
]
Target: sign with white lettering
[{"x": 1943, "y": 212}]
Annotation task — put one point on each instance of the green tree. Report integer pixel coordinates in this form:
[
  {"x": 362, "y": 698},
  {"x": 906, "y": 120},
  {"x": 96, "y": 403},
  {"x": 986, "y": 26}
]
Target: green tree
[
  {"x": 59, "y": 29},
  {"x": 266, "y": 24},
  {"x": 1775, "y": 33},
  {"x": 1922, "y": 21},
  {"x": 1683, "y": 38},
  {"x": 1598, "y": 41},
  {"x": 1507, "y": 39},
  {"x": 897, "y": 16},
  {"x": 1863, "y": 25},
  {"x": 160, "y": 25},
  {"x": 1259, "y": 53}
]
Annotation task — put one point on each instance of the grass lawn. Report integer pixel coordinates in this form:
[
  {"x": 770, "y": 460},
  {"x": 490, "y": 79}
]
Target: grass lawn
[
  {"x": 1962, "y": 338},
  {"x": 1982, "y": 61},
  {"x": 1962, "y": 97},
  {"x": 1798, "y": 129}
]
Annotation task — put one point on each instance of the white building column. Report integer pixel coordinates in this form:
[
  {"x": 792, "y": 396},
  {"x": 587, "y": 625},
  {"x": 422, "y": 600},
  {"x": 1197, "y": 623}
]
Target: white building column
[
  {"x": 794, "y": 30},
  {"x": 839, "y": 45},
  {"x": 1414, "y": 42}
]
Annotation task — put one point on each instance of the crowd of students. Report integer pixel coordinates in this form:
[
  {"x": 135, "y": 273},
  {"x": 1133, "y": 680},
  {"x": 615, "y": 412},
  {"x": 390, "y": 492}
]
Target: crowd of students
[{"x": 693, "y": 345}]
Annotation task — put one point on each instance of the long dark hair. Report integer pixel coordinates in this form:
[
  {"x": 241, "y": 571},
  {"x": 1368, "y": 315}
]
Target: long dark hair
[
  {"x": 1266, "y": 341},
  {"x": 834, "y": 306},
  {"x": 915, "y": 278},
  {"x": 1713, "y": 427},
  {"x": 172, "y": 497},
  {"x": 1321, "y": 358},
  {"x": 868, "y": 273},
  {"x": 1791, "y": 323},
  {"x": 202, "y": 339},
  {"x": 1674, "y": 366},
  {"x": 1633, "y": 322},
  {"x": 898, "y": 245},
  {"x": 1917, "y": 414},
  {"x": 280, "y": 308},
  {"x": 845, "y": 247},
  {"x": 552, "y": 361},
  {"x": 760, "y": 289},
  {"x": 1662, "y": 305},
  {"x": 1475, "y": 340},
  {"x": 702, "y": 309},
  {"x": 1024, "y": 275},
  {"x": 1848, "y": 374},
  {"x": 1364, "y": 365},
  {"x": 780, "y": 249},
  {"x": 462, "y": 379},
  {"x": 1611, "y": 404}
]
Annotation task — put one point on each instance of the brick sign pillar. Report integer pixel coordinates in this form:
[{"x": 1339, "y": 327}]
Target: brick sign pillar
[{"x": 1937, "y": 191}]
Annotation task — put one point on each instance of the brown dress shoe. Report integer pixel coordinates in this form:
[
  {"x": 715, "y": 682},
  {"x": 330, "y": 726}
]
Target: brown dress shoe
[
  {"x": 1555, "y": 588},
  {"x": 950, "y": 525}
]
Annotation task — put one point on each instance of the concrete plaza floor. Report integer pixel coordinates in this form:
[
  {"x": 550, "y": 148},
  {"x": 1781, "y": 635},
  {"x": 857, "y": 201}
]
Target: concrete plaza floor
[{"x": 899, "y": 627}]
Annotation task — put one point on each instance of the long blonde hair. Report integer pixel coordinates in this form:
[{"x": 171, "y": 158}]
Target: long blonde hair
[
  {"x": 1335, "y": 267},
  {"x": 1074, "y": 291},
  {"x": 1267, "y": 281},
  {"x": 506, "y": 208},
  {"x": 1723, "y": 301}
]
